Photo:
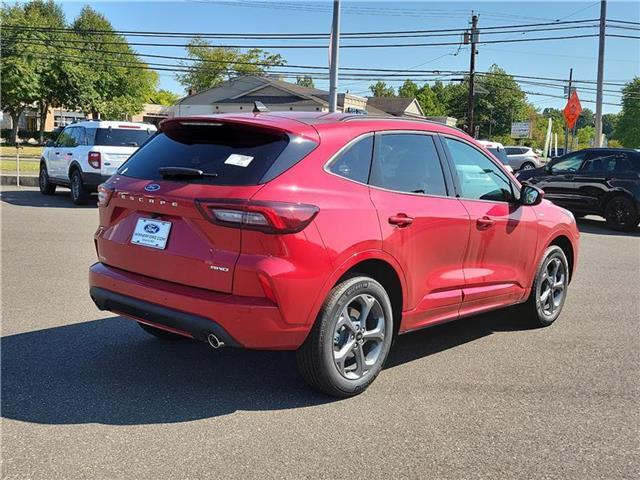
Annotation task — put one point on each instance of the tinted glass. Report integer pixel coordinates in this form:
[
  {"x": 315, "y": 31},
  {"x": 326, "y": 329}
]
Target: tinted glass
[
  {"x": 512, "y": 150},
  {"x": 354, "y": 162},
  {"x": 121, "y": 137},
  {"x": 407, "y": 163},
  {"x": 479, "y": 177},
  {"x": 570, "y": 163},
  {"x": 238, "y": 155}
]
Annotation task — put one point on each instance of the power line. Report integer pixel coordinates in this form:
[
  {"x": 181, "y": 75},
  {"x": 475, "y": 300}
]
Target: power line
[
  {"x": 307, "y": 36},
  {"x": 359, "y": 46},
  {"x": 400, "y": 71}
]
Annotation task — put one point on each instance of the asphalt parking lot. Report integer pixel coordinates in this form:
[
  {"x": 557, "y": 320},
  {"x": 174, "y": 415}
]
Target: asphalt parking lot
[{"x": 89, "y": 395}]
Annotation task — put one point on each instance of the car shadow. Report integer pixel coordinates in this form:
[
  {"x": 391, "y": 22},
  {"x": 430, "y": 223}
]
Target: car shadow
[
  {"x": 33, "y": 198},
  {"x": 599, "y": 227},
  {"x": 109, "y": 371}
]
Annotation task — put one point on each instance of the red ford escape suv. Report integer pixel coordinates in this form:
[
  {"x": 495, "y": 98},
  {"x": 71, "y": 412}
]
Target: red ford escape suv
[{"x": 328, "y": 234}]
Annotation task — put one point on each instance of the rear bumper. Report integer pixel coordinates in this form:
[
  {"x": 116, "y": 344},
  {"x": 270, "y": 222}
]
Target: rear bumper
[
  {"x": 247, "y": 322},
  {"x": 91, "y": 180}
]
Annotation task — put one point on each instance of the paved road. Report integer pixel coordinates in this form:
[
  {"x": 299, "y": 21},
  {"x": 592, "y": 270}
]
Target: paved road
[{"x": 89, "y": 395}]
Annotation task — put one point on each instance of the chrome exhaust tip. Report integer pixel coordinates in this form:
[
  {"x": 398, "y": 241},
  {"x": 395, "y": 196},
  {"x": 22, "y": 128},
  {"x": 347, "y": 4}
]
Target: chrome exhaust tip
[{"x": 214, "y": 341}]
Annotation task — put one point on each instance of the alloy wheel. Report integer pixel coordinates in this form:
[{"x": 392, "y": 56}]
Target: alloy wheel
[
  {"x": 620, "y": 212},
  {"x": 552, "y": 287},
  {"x": 75, "y": 185},
  {"x": 358, "y": 337}
]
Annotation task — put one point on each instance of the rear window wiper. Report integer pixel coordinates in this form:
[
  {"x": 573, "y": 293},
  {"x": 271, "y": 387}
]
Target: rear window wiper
[{"x": 184, "y": 172}]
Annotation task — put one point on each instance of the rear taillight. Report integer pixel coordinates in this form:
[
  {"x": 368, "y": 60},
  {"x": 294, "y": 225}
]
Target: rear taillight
[
  {"x": 104, "y": 195},
  {"x": 267, "y": 217},
  {"x": 94, "y": 159}
]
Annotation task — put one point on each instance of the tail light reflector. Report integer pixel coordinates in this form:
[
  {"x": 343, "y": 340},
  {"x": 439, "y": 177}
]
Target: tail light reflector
[
  {"x": 104, "y": 194},
  {"x": 95, "y": 160},
  {"x": 267, "y": 217}
]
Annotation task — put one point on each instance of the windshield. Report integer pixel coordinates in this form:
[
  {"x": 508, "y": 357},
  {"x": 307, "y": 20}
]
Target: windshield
[{"x": 233, "y": 155}]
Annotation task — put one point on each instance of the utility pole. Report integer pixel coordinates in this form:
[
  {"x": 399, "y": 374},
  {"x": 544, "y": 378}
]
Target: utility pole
[
  {"x": 472, "y": 74},
  {"x": 566, "y": 128},
  {"x": 603, "y": 18},
  {"x": 335, "y": 46}
]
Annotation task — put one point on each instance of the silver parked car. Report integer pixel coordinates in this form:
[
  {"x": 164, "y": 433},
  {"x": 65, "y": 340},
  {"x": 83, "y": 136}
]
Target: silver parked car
[{"x": 522, "y": 158}]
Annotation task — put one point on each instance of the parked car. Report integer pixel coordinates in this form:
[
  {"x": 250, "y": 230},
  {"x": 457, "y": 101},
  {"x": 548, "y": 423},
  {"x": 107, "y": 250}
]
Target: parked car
[
  {"x": 328, "y": 234},
  {"x": 522, "y": 158},
  {"x": 87, "y": 153},
  {"x": 593, "y": 181},
  {"x": 498, "y": 151}
]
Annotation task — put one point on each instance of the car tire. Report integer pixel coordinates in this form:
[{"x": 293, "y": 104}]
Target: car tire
[
  {"x": 621, "y": 214},
  {"x": 549, "y": 290},
  {"x": 79, "y": 195},
  {"x": 159, "y": 333},
  {"x": 527, "y": 166},
  {"x": 47, "y": 187},
  {"x": 343, "y": 353}
]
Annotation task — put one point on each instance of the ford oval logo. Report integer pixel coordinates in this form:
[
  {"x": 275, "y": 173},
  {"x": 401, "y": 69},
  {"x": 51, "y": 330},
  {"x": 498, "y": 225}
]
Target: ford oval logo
[
  {"x": 151, "y": 228},
  {"x": 152, "y": 187}
]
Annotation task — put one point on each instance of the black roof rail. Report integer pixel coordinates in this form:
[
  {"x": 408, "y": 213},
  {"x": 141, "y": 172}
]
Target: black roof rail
[{"x": 349, "y": 118}]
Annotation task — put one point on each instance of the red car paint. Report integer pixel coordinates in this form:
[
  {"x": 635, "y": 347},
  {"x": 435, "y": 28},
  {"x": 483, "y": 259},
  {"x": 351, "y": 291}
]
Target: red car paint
[{"x": 452, "y": 256}]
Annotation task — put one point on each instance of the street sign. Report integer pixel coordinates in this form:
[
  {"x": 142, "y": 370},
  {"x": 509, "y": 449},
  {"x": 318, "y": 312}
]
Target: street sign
[
  {"x": 572, "y": 110},
  {"x": 521, "y": 130}
]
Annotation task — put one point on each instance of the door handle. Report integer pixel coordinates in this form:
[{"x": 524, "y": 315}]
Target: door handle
[
  {"x": 69, "y": 154},
  {"x": 401, "y": 220},
  {"x": 485, "y": 222},
  {"x": 57, "y": 153}
]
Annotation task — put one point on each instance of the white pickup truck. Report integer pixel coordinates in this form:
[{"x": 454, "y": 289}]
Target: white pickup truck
[{"x": 87, "y": 153}]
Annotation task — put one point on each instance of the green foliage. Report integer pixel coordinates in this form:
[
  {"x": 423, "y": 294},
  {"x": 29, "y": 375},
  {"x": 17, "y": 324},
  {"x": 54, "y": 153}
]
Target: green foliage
[
  {"x": 380, "y": 89},
  {"x": 19, "y": 72},
  {"x": 305, "y": 81},
  {"x": 609, "y": 123},
  {"x": 163, "y": 97},
  {"x": 628, "y": 127},
  {"x": 116, "y": 82},
  {"x": 210, "y": 65}
]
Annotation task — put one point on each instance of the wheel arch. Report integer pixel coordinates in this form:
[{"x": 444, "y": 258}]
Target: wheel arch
[
  {"x": 380, "y": 266},
  {"x": 74, "y": 166},
  {"x": 565, "y": 244}
]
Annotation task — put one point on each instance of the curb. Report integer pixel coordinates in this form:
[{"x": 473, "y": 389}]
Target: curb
[{"x": 25, "y": 180}]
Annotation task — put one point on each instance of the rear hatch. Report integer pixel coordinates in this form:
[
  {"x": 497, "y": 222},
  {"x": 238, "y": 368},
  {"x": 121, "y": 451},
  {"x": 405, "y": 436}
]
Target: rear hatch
[
  {"x": 158, "y": 223},
  {"x": 117, "y": 144}
]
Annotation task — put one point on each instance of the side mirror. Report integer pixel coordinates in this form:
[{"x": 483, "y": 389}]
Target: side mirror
[
  {"x": 49, "y": 143},
  {"x": 530, "y": 195}
]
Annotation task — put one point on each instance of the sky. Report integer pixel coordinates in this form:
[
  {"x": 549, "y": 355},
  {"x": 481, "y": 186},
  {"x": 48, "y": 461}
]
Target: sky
[{"x": 544, "y": 59}]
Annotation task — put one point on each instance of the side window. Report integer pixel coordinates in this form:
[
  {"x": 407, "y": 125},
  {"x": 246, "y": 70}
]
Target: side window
[
  {"x": 80, "y": 136},
  {"x": 406, "y": 162},
  {"x": 65, "y": 139},
  {"x": 354, "y": 162},
  {"x": 511, "y": 150},
  {"x": 623, "y": 163},
  {"x": 479, "y": 177},
  {"x": 570, "y": 164}
]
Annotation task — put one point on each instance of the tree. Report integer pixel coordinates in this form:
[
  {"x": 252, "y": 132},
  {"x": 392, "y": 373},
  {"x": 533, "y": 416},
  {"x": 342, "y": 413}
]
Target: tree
[
  {"x": 163, "y": 97},
  {"x": 409, "y": 89},
  {"x": 209, "y": 65},
  {"x": 380, "y": 89},
  {"x": 19, "y": 75},
  {"x": 586, "y": 118},
  {"x": 503, "y": 103},
  {"x": 305, "y": 81},
  {"x": 117, "y": 82},
  {"x": 59, "y": 74},
  {"x": 609, "y": 123},
  {"x": 628, "y": 128}
]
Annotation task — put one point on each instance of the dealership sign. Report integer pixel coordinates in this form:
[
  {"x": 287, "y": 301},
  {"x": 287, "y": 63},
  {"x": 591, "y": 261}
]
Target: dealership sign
[{"x": 521, "y": 130}]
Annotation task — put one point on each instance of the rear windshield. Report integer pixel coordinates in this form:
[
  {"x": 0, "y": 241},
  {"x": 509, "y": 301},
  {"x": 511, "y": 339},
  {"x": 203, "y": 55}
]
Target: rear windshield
[
  {"x": 237, "y": 155},
  {"x": 120, "y": 137},
  {"x": 499, "y": 153}
]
